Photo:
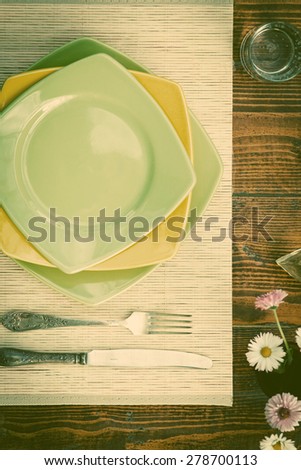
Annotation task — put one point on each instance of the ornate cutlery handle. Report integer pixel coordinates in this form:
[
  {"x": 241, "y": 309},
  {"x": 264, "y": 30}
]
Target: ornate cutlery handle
[
  {"x": 10, "y": 357},
  {"x": 19, "y": 320}
]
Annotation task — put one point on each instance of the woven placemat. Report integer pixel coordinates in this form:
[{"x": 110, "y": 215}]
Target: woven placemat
[{"x": 191, "y": 43}]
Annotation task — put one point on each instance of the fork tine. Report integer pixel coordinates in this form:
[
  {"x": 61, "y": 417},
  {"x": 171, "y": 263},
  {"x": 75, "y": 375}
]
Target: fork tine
[
  {"x": 169, "y": 322},
  {"x": 170, "y": 315},
  {"x": 169, "y": 318},
  {"x": 170, "y": 329},
  {"x": 169, "y": 326},
  {"x": 140, "y": 323}
]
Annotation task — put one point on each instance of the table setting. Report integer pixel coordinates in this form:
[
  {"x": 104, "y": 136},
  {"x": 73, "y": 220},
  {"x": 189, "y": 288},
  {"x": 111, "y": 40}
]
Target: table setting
[
  {"x": 117, "y": 286},
  {"x": 115, "y": 177}
]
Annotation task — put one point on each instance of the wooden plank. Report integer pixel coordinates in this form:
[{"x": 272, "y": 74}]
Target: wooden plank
[
  {"x": 267, "y": 151},
  {"x": 254, "y": 252}
]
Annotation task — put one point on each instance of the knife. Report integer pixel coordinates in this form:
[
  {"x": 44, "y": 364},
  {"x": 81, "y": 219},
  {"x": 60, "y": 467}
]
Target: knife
[{"x": 108, "y": 357}]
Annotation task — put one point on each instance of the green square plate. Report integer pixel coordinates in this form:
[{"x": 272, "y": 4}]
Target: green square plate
[
  {"x": 86, "y": 139},
  {"x": 208, "y": 164}
]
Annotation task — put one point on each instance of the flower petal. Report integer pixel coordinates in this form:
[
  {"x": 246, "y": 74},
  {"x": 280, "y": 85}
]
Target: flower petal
[{"x": 270, "y": 300}]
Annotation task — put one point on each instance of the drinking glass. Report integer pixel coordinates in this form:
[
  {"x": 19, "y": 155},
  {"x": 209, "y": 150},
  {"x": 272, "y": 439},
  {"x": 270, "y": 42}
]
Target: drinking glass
[{"x": 272, "y": 52}]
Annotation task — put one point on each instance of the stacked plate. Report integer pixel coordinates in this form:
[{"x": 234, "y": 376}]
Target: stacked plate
[{"x": 103, "y": 170}]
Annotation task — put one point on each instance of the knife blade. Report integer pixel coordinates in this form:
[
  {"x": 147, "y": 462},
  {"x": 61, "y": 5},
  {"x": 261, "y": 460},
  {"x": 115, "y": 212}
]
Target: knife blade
[{"x": 146, "y": 358}]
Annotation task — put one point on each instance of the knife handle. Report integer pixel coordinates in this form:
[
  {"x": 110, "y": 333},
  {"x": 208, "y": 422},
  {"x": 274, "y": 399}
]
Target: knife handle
[{"x": 10, "y": 357}]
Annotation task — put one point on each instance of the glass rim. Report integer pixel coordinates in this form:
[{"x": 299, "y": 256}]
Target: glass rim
[{"x": 294, "y": 35}]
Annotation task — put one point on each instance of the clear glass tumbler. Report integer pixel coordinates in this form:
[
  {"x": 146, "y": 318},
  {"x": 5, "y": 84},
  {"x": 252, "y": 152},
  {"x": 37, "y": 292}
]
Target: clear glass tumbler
[{"x": 272, "y": 52}]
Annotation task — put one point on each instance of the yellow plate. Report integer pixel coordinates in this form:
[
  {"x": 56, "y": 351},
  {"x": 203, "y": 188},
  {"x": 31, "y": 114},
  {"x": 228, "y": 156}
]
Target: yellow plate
[{"x": 155, "y": 247}]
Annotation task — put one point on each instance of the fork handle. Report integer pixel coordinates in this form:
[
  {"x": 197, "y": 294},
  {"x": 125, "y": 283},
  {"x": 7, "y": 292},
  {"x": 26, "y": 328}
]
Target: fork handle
[
  {"x": 10, "y": 357},
  {"x": 20, "y": 320}
]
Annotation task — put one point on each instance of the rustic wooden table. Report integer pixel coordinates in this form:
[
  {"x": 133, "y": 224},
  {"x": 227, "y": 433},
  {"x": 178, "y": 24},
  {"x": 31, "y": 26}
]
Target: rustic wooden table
[{"x": 266, "y": 180}]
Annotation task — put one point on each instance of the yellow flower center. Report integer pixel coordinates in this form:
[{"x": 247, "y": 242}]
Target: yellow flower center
[
  {"x": 266, "y": 352},
  {"x": 283, "y": 413},
  {"x": 277, "y": 446}
]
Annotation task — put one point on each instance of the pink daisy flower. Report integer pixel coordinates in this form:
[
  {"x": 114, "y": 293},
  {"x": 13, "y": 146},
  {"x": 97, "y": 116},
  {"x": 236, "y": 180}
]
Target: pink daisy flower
[
  {"x": 270, "y": 300},
  {"x": 283, "y": 411}
]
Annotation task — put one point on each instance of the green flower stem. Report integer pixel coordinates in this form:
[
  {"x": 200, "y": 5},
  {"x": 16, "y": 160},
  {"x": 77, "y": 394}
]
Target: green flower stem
[{"x": 288, "y": 349}]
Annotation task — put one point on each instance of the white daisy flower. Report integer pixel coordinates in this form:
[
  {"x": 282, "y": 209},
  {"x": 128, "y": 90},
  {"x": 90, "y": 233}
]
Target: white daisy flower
[
  {"x": 275, "y": 442},
  {"x": 265, "y": 353},
  {"x": 298, "y": 338}
]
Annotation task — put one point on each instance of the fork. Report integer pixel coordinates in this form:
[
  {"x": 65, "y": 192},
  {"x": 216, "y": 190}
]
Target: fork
[{"x": 138, "y": 323}]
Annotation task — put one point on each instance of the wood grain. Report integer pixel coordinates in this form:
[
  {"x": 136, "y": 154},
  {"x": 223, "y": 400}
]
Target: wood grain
[
  {"x": 255, "y": 252},
  {"x": 267, "y": 155},
  {"x": 266, "y": 176}
]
